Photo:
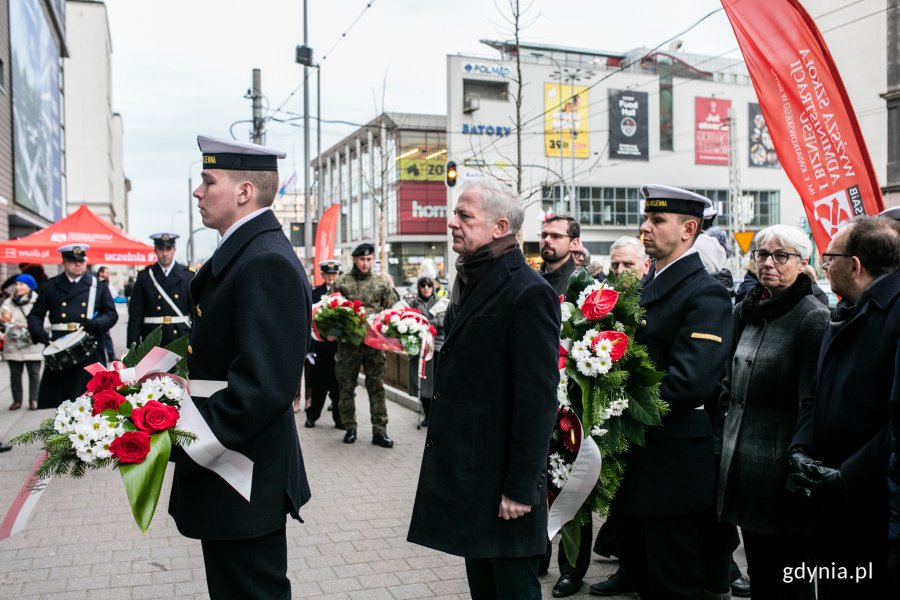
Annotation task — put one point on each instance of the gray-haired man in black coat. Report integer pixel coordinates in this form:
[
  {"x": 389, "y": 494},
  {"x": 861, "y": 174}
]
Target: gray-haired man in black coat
[
  {"x": 482, "y": 490},
  {"x": 251, "y": 323}
]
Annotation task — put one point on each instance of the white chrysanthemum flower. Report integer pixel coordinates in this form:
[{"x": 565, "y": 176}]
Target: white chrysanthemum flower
[
  {"x": 135, "y": 400},
  {"x": 402, "y": 328},
  {"x": 102, "y": 450},
  {"x": 580, "y": 350},
  {"x": 597, "y": 431},
  {"x": 562, "y": 397},
  {"x": 604, "y": 364},
  {"x": 560, "y": 475},
  {"x": 566, "y": 309},
  {"x": 86, "y": 454},
  {"x": 556, "y": 460},
  {"x": 82, "y": 405},
  {"x": 581, "y": 365},
  {"x": 603, "y": 347}
]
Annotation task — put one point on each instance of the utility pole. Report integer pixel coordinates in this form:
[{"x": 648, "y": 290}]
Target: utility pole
[
  {"x": 307, "y": 218},
  {"x": 256, "y": 97},
  {"x": 735, "y": 201}
]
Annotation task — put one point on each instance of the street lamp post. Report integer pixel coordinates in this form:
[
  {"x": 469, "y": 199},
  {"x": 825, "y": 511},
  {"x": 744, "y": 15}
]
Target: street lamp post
[
  {"x": 559, "y": 92},
  {"x": 574, "y": 75}
]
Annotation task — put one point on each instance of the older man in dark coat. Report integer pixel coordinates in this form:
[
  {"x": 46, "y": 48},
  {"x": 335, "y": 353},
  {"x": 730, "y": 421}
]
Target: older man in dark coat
[
  {"x": 841, "y": 444},
  {"x": 251, "y": 322},
  {"x": 667, "y": 493},
  {"x": 482, "y": 489}
]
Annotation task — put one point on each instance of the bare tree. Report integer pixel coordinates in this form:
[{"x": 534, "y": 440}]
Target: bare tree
[{"x": 376, "y": 177}]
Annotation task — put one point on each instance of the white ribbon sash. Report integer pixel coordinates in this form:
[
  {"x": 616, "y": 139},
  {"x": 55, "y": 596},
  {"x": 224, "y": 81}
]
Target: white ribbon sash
[
  {"x": 207, "y": 451},
  {"x": 578, "y": 486}
]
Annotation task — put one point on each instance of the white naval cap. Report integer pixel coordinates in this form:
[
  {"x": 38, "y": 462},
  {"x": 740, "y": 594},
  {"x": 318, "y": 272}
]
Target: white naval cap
[
  {"x": 665, "y": 198},
  {"x": 891, "y": 213},
  {"x": 220, "y": 153},
  {"x": 74, "y": 251}
]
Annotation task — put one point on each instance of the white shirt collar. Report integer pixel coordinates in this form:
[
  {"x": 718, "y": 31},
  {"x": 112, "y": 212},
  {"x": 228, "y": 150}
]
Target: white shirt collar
[
  {"x": 76, "y": 280},
  {"x": 165, "y": 270},
  {"x": 237, "y": 224},
  {"x": 688, "y": 252}
]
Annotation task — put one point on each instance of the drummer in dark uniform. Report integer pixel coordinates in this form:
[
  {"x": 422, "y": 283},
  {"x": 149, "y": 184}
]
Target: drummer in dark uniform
[
  {"x": 161, "y": 296},
  {"x": 323, "y": 380},
  {"x": 72, "y": 301}
]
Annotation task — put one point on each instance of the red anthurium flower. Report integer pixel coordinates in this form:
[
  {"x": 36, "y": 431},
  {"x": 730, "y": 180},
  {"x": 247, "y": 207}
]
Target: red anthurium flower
[
  {"x": 619, "y": 343},
  {"x": 598, "y": 303},
  {"x": 563, "y": 354},
  {"x": 562, "y": 298}
]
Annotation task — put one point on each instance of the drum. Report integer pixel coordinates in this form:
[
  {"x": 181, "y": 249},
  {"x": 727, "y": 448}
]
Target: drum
[{"x": 69, "y": 350}]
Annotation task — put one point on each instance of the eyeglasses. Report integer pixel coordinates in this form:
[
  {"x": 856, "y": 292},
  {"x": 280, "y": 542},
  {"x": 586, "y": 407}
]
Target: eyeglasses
[
  {"x": 827, "y": 257},
  {"x": 778, "y": 256},
  {"x": 426, "y": 285},
  {"x": 555, "y": 236},
  {"x": 577, "y": 253}
]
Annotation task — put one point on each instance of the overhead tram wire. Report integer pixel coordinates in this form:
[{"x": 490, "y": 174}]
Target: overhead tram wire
[{"x": 330, "y": 50}]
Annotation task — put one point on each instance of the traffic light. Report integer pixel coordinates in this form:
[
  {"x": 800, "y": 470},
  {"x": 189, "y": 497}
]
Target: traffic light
[{"x": 451, "y": 173}]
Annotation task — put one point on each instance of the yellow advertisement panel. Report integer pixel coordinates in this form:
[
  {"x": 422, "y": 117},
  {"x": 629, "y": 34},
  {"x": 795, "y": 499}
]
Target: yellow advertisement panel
[
  {"x": 420, "y": 169},
  {"x": 566, "y": 120}
]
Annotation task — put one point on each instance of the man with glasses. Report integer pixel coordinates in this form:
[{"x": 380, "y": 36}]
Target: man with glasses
[
  {"x": 840, "y": 449},
  {"x": 559, "y": 237}
]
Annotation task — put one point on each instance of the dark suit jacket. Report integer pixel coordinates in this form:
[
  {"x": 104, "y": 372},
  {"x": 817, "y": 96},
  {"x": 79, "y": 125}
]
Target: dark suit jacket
[
  {"x": 688, "y": 335},
  {"x": 846, "y": 426},
  {"x": 491, "y": 418},
  {"x": 146, "y": 301},
  {"x": 251, "y": 328}
]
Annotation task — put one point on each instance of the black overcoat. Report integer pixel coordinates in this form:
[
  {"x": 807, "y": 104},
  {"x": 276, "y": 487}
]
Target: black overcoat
[
  {"x": 846, "y": 426},
  {"x": 251, "y": 329},
  {"x": 688, "y": 335},
  {"x": 491, "y": 418},
  {"x": 146, "y": 301},
  {"x": 63, "y": 302}
]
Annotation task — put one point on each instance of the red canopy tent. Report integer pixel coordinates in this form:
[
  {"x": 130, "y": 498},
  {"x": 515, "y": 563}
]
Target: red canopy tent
[{"x": 109, "y": 245}]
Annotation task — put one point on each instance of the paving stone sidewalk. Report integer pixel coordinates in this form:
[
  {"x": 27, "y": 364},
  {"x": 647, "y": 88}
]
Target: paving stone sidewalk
[{"x": 81, "y": 541}]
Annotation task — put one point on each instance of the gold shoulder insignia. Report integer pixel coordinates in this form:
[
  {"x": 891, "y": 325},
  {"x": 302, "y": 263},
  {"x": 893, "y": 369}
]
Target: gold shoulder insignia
[
  {"x": 192, "y": 269},
  {"x": 139, "y": 269},
  {"x": 706, "y": 336}
]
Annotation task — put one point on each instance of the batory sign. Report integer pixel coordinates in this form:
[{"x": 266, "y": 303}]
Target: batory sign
[{"x": 808, "y": 113}]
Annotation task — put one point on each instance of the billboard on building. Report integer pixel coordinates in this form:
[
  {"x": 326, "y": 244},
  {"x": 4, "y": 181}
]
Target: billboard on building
[
  {"x": 762, "y": 150},
  {"x": 566, "y": 120},
  {"x": 421, "y": 169},
  {"x": 711, "y": 131},
  {"x": 628, "y": 125},
  {"x": 37, "y": 130},
  {"x": 423, "y": 207}
]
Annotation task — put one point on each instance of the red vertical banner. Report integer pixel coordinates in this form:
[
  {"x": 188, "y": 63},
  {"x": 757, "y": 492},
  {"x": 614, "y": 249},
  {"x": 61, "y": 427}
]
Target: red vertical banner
[
  {"x": 711, "y": 131},
  {"x": 808, "y": 113},
  {"x": 325, "y": 239}
]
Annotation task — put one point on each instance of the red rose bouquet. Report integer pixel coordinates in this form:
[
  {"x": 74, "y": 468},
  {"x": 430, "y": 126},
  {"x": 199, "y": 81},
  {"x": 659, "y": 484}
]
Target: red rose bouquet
[
  {"x": 336, "y": 318},
  {"x": 125, "y": 419},
  {"x": 403, "y": 329}
]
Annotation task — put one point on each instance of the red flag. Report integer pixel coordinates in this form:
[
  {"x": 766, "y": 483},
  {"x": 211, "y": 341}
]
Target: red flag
[
  {"x": 808, "y": 113},
  {"x": 325, "y": 239}
]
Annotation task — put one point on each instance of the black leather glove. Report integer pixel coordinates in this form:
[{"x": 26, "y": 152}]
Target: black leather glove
[
  {"x": 800, "y": 461},
  {"x": 40, "y": 338},
  {"x": 91, "y": 326},
  {"x": 820, "y": 480}
]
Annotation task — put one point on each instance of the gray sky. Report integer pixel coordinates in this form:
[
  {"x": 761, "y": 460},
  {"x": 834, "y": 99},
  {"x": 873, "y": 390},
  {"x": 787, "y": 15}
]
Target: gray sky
[{"x": 182, "y": 67}]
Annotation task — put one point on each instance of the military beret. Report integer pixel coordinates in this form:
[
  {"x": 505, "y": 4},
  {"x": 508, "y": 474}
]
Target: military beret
[
  {"x": 891, "y": 213},
  {"x": 164, "y": 240},
  {"x": 219, "y": 153},
  {"x": 77, "y": 252},
  {"x": 330, "y": 266},
  {"x": 364, "y": 249},
  {"x": 664, "y": 198}
]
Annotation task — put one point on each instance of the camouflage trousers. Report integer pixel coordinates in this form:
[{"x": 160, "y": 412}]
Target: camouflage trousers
[{"x": 348, "y": 361}]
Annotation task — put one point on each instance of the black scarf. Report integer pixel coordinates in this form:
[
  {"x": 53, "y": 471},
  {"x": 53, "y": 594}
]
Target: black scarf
[
  {"x": 759, "y": 306},
  {"x": 470, "y": 269}
]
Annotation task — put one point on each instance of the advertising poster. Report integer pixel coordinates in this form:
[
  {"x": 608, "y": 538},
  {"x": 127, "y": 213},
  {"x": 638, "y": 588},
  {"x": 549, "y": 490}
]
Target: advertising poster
[
  {"x": 808, "y": 113},
  {"x": 566, "y": 115},
  {"x": 628, "y": 125},
  {"x": 761, "y": 151},
  {"x": 37, "y": 144},
  {"x": 711, "y": 131}
]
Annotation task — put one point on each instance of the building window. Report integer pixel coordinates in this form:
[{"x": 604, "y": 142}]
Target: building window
[
  {"x": 893, "y": 141},
  {"x": 485, "y": 90}
]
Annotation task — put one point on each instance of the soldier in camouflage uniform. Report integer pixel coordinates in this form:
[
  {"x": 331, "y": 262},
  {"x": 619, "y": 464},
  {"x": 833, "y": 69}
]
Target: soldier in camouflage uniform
[{"x": 377, "y": 294}]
